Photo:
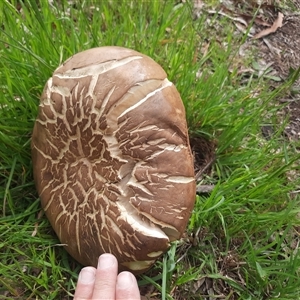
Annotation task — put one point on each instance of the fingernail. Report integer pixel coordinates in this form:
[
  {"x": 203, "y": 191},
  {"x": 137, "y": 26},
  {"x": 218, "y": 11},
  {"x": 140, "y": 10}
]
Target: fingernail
[
  {"x": 106, "y": 261},
  {"x": 87, "y": 275},
  {"x": 125, "y": 280}
]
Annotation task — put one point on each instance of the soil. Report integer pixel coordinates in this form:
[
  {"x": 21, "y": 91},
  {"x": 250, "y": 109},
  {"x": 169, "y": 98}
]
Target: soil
[
  {"x": 278, "y": 51},
  {"x": 282, "y": 50},
  {"x": 277, "y": 54}
]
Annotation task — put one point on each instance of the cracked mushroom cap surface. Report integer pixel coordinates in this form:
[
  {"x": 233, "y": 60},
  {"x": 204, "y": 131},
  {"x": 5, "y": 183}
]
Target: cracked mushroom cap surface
[{"x": 111, "y": 158}]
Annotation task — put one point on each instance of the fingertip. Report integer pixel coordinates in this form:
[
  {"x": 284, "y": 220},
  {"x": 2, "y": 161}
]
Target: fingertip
[
  {"x": 85, "y": 283},
  {"x": 107, "y": 261},
  {"x": 87, "y": 275},
  {"x": 127, "y": 287},
  {"x": 125, "y": 279}
]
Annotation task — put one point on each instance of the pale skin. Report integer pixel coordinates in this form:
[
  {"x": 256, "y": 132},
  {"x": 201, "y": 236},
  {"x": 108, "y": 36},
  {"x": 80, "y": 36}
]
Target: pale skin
[{"x": 104, "y": 283}]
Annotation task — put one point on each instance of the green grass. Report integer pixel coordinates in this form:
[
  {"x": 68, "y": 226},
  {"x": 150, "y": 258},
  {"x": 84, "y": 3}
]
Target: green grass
[{"x": 242, "y": 239}]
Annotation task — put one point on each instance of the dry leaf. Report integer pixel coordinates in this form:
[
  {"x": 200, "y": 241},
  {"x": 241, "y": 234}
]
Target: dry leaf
[
  {"x": 36, "y": 225},
  {"x": 204, "y": 48},
  {"x": 272, "y": 29},
  {"x": 222, "y": 13},
  {"x": 198, "y": 4},
  {"x": 205, "y": 188},
  {"x": 246, "y": 18},
  {"x": 257, "y": 20}
]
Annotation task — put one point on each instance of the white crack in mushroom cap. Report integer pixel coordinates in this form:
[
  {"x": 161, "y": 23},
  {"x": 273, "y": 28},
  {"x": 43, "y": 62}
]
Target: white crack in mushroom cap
[{"x": 111, "y": 156}]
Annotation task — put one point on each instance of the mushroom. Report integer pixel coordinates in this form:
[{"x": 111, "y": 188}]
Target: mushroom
[{"x": 111, "y": 158}]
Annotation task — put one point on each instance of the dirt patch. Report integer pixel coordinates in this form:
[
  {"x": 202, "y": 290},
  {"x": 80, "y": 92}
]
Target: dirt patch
[
  {"x": 276, "y": 54},
  {"x": 281, "y": 50}
]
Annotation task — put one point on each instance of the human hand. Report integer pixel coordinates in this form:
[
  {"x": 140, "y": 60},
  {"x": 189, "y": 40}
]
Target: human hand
[{"x": 104, "y": 283}]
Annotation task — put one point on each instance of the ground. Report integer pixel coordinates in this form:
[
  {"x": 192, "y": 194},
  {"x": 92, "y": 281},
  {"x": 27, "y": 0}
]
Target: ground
[
  {"x": 276, "y": 54},
  {"x": 281, "y": 51}
]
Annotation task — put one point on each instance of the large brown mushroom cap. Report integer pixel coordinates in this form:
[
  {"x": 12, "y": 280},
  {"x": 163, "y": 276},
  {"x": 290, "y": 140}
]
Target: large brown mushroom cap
[{"x": 111, "y": 157}]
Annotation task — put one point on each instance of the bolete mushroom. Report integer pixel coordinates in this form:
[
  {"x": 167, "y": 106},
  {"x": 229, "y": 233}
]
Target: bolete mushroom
[{"x": 111, "y": 157}]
